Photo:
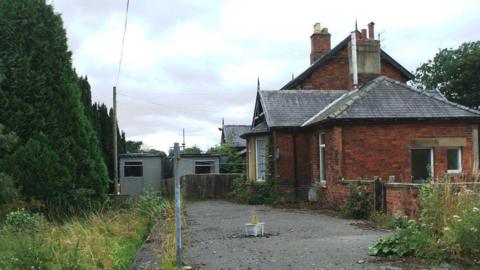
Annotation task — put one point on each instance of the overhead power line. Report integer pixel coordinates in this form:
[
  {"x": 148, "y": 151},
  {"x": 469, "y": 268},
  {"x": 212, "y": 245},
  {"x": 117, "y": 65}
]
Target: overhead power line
[
  {"x": 176, "y": 107},
  {"x": 123, "y": 43}
]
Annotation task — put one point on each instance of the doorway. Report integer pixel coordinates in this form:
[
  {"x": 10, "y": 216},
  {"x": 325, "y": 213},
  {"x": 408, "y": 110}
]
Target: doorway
[{"x": 422, "y": 164}]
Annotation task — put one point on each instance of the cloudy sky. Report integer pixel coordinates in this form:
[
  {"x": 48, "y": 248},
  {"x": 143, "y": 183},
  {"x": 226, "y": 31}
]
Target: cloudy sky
[{"x": 190, "y": 63}]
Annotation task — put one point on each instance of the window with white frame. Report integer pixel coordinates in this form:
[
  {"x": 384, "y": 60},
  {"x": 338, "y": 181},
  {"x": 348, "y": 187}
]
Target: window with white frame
[
  {"x": 133, "y": 169},
  {"x": 260, "y": 159},
  {"x": 204, "y": 166},
  {"x": 322, "y": 158},
  {"x": 454, "y": 160}
]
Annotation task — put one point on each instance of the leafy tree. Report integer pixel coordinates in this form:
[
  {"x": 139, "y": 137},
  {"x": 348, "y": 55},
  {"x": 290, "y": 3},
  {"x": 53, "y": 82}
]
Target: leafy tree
[
  {"x": 133, "y": 146},
  {"x": 233, "y": 163},
  {"x": 57, "y": 157},
  {"x": 192, "y": 150},
  {"x": 455, "y": 72},
  {"x": 8, "y": 192}
]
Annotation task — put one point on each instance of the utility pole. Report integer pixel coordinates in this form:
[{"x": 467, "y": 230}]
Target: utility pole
[
  {"x": 115, "y": 150},
  {"x": 183, "y": 144},
  {"x": 178, "y": 220}
]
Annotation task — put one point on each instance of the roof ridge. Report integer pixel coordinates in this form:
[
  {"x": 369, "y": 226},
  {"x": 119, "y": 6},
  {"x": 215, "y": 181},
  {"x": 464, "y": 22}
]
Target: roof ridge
[
  {"x": 356, "y": 95},
  {"x": 323, "y": 110}
]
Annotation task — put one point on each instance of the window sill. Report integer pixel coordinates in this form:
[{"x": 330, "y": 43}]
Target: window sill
[{"x": 454, "y": 171}]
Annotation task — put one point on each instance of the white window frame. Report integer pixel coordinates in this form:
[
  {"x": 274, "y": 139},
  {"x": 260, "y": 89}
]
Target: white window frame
[
  {"x": 204, "y": 160},
  {"x": 459, "y": 160},
  {"x": 260, "y": 179},
  {"x": 321, "y": 158}
]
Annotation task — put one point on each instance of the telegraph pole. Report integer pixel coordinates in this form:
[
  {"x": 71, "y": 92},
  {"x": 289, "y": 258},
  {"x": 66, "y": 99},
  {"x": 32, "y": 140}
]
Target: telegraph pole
[
  {"x": 115, "y": 150},
  {"x": 178, "y": 220},
  {"x": 183, "y": 134}
]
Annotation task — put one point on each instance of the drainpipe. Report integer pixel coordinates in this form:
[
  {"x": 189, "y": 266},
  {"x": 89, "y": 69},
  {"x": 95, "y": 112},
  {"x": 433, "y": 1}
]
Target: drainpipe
[{"x": 354, "y": 60}]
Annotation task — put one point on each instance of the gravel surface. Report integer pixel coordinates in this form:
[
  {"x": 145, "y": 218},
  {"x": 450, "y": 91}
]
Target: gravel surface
[{"x": 296, "y": 239}]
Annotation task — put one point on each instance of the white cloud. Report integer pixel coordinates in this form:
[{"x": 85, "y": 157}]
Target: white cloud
[{"x": 189, "y": 63}]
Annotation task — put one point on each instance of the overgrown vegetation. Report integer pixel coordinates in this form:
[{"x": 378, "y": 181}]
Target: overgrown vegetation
[
  {"x": 447, "y": 230},
  {"x": 388, "y": 222},
  {"x": 233, "y": 162},
  {"x": 252, "y": 192},
  {"x": 358, "y": 204},
  {"x": 103, "y": 240}
]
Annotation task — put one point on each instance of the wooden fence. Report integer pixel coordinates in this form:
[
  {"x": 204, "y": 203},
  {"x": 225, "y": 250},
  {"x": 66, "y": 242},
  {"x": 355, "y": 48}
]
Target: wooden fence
[{"x": 201, "y": 186}]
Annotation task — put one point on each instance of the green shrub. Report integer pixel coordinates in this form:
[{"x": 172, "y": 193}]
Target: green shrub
[
  {"x": 389, "y": 222},
  {"x": 251, "y": 192},
  {"x": 359, "y": 203},
  {"x": 23, "y": 221},
  {"x": 151, "y": 205},
  {"x": 409, "y": 240}
]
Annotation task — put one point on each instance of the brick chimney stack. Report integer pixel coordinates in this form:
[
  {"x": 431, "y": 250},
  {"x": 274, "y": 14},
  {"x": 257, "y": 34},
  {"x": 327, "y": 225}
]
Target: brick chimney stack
[
  {"x": 371, "y": 31},
  {"x": 320, "y": 42}
]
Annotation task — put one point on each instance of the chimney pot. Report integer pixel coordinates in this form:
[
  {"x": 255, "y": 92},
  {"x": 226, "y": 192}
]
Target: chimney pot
[
  {"x": 317, "y": 28},
  {"x": 371, "y": 30},
  {"x": 364, "y": 34}
]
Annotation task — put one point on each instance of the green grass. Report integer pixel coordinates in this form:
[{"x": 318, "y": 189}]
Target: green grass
[{"x": 103, "y": 240}]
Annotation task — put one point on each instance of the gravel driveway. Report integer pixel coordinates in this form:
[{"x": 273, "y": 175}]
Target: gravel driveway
[{"x": 297, "y": 239}]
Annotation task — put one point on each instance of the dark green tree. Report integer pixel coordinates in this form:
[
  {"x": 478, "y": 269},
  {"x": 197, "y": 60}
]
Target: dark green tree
[
  {"x": 233, "y": 162},
  {"x": 192, "y": 150},
  {"x": 57, "y": 158},
  {"x": 455, "y": 72},
  {"x": 8, "y": 192},
  {"x": 133, "y": 146},
  {"x": 86, "y": 96}
]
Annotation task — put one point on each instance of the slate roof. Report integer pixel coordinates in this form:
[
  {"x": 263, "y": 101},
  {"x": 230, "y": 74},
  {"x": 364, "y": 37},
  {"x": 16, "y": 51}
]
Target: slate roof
[
  {"x": 384, "y": 98},
  {"x": 320, "y": 61},
  {"x": 231, "y": 135},
  {"x": 291, "y": 108}
]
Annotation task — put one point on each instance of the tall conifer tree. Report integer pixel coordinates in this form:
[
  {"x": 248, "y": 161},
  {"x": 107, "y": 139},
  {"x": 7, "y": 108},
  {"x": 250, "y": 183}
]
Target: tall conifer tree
[{"x": 58, "y": 157}]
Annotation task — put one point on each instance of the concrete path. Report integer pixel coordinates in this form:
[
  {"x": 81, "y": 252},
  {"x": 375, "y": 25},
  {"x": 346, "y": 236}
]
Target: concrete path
[{"x": 296, "y": 239}]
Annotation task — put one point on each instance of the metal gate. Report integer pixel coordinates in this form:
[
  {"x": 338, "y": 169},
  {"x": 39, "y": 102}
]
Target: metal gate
[{"x": 380, "y": 196}]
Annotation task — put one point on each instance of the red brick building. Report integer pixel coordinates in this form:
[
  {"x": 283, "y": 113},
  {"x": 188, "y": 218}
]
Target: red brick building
[{"x": 350, "y": 116}]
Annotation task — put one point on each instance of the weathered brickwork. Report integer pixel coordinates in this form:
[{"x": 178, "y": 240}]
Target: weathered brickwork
[
  {"x": 363, "y": 151},
  {"x": 403, "y": 201},
  {"x": 383, "y": 150},
  {"x": 335, "y": 74}
]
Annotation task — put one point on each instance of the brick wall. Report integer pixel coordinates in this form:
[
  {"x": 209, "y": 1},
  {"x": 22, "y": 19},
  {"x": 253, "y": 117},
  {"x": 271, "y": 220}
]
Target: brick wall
[
  {"x": 384, "y": 149},
  {"x": 403, "y": 200},
  {"x": 335, "y": 74}
]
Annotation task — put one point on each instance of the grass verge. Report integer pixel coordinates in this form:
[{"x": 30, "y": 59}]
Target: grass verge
[{"x": 104, "y": 240}]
